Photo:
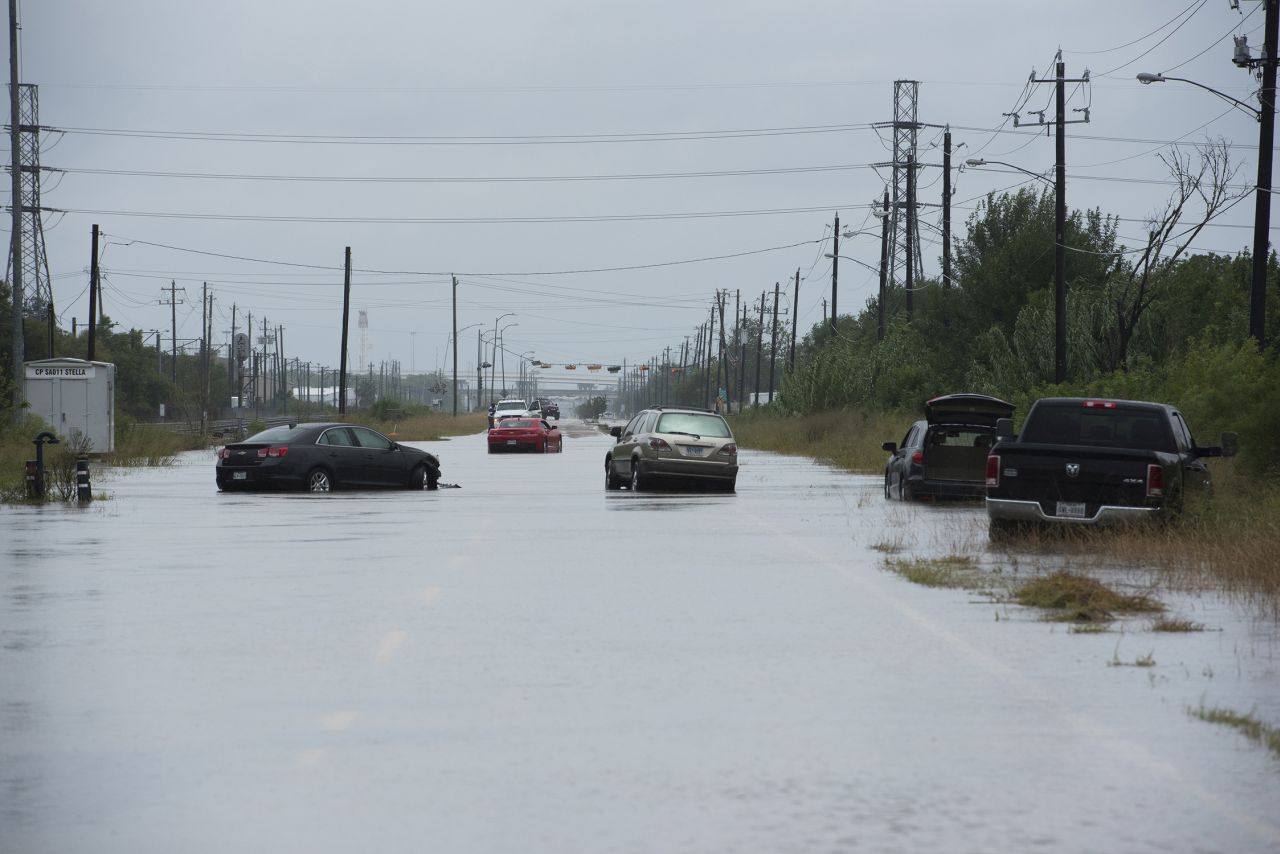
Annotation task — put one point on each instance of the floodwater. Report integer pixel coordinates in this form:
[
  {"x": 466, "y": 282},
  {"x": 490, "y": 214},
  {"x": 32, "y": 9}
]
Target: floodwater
[{"x": 531, "y": 664}]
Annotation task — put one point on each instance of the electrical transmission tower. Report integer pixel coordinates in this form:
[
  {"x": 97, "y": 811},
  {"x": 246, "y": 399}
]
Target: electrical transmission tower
[
  {"x": 37, "y": 291},
  {"x": 904, "y": 225}
]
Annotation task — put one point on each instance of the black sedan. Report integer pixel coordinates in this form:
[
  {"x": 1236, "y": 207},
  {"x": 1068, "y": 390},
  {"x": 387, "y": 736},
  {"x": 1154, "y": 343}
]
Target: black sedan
[{"x": 323, "y": 457}]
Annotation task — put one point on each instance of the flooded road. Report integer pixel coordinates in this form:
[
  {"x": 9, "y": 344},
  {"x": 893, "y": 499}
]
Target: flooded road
[{"x": 531, "y": 664}]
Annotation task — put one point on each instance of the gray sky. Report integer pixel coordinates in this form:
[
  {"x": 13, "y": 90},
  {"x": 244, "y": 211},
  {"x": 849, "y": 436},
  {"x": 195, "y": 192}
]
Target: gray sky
[{"x": 394, "y": 97}]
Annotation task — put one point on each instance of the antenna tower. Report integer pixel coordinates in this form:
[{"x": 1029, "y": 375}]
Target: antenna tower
[
  {"x": 905, "y": 167},
  {"x": 37, "y": 292}
]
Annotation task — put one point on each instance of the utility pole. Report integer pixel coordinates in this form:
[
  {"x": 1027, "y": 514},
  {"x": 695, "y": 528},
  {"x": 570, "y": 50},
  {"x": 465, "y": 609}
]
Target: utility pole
[
  {"x": 264, "y": 365},
  {"x": 946, "y": 209},
  {"x": 773, "y": 343},
  {"x": 173, "y": 337},
  {"x": 911, "y": 232},
  {"x": 346, "y": 317},
  {"x": 759, "y": 346},
  {"x": 884, "y": 267},
  {"x": 795, "y": 320},
  {"x": 706, "y": 383},
  {"x": 204, "y": 356},
  {"x": 721, "y": 298},
  {"x": 17, "y": 345},
  {"x": 742, "y": 359},
  {"x": 455, "y": 346},
  {"x": 1262, "y": 207},
  {"x": 835, "y": 269},
  {"x": 1060, "y": 225},
  {"x": 1060, "y": 208},
  {"x": 93, "y": 293},
  {"x": 479, "y": 368},
  {"x": 233, "y": 359}
]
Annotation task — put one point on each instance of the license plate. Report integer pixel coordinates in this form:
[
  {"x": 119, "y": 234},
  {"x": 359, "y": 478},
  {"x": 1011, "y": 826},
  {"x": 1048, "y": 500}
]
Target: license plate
[
  {"x": 240, "y": 475},
  {"x": 511, "y": 441},
  {"x": 1071, "y": 509},
  {"x": 695, "y": 451}
]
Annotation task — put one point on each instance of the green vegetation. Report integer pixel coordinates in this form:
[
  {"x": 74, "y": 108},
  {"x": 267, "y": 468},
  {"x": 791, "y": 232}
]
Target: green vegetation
[
  {"x": 951, "y": 571},
  {"x": 1079, "y": 598},
  {"x": 592, "y": 408},
  {"x": 1247, "y": 725},
  {"x": 1175, "y": 624}
]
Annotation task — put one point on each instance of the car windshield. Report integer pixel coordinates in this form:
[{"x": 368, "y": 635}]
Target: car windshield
[
  {"x": 695, "y": 423},
  {"x": 272, "y": 435},
  {"x": 1074, "y": 424},
  {"x": 511, "y": 404}
]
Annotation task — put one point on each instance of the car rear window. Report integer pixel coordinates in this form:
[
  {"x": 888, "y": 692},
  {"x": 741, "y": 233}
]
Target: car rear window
[
  {"x": 711, "y": 426},
  {"x": 519, "y": 422},
  {"x": 1121, "y": 427},
  {"x": 283, "y": 433}
]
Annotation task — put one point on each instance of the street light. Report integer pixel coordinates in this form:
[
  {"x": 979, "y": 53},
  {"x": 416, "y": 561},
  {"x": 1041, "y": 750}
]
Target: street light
[
  {"x": 497, "y": 346},
  {"x": 1059, "y": 262},
  {"x": 1146, "y": 79},
  {"x": 1266, "y": 116},
  {"x": 495, "y": 349},
  {"x": 454, "y": 340},
  {"x": 978, "y": 161}
]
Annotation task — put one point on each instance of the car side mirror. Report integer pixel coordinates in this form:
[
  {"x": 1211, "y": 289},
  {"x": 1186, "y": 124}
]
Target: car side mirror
[
  {"x": 615, "y": 432},
  {"x": 1004, "y": 428},
  {"x": 891, "y": 447}
]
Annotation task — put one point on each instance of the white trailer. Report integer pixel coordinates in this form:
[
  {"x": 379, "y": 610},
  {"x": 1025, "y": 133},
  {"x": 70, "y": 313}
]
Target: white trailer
[{"x": 75, "y": 397}]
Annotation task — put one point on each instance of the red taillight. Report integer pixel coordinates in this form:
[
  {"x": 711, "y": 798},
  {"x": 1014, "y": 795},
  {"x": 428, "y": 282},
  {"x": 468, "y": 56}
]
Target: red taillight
[
  {"x": 1099, "y": 404},
  {"x": 273, "y": 452},
  {"x": 224, "y": 453},
  {"x": 993, "y": 470},
  {"x": 659, "y": 444},
  {"x": 731, "y": 449},
  {"x": 1155, "y": 481},
  {"x": 917, "y": 457}
]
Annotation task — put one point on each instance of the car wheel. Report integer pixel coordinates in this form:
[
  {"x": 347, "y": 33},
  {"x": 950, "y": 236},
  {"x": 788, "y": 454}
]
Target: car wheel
[
  {"x": 560, "y": 446},
  {"x": 611, "y": 480},
  {"x": 319, "y": 480},
  {"x": 905, "y": 492},
  {"x": 433, "y": 479},
  {"x": 492, "y": 450},
  {"x": 729, "y": 485},
  {"x": 638, "y": 480},
  {"x": 544, "y": 446},
  {"x": 886, "y": 485}
]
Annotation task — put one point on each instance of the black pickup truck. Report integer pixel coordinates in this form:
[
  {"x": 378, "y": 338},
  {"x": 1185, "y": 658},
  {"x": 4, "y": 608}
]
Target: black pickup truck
[{"x": 1088, "y": 462}]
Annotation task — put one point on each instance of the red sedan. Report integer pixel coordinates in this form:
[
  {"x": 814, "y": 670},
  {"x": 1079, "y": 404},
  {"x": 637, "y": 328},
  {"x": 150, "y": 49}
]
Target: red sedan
[{"x": 525, "y": 434}]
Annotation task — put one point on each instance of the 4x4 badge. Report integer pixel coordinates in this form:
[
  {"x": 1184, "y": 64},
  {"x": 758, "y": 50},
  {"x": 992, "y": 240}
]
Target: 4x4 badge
[{"x": 1073, "y": 469}]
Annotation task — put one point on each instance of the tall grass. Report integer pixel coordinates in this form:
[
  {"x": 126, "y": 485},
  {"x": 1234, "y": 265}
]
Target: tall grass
[
  {"x": 846, "y": 438},
  {"x": 428, "y": 426}
]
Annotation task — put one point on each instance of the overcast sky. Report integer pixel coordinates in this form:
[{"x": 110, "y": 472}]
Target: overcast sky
[{"x": 437, "y": 126}]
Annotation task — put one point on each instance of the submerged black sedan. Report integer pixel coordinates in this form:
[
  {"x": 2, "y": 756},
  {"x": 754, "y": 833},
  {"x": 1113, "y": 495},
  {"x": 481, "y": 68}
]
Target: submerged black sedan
[{"x": 324, "y": 457}]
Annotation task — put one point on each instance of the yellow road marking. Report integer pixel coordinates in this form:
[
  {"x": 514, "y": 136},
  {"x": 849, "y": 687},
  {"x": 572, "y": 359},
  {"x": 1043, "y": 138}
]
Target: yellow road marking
[
  {"x": 390, "y": 643},
  {"x": 338, "y": 721}
]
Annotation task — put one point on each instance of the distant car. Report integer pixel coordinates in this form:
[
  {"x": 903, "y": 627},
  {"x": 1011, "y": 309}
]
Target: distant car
[
  {"x": 507, "y": 408},
  {"x": 525, "y": 434},
  {"x": 323, "y": 457},
  {"x": 672, "y": 445},
  {"x": 550, "y": 410},
  {"x": 945, "y": 455}
]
